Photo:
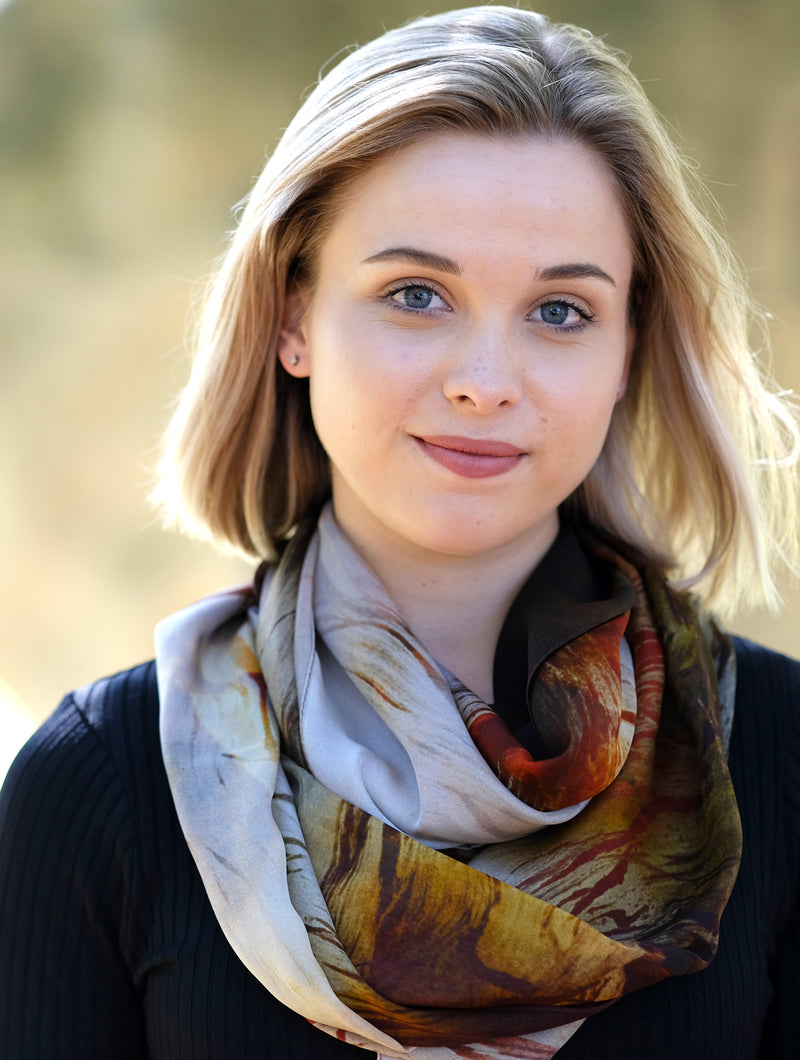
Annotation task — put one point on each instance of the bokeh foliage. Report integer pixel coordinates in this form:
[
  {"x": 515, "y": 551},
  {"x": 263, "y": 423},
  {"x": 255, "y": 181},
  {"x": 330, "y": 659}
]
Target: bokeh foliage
[{"x": 128, "y": 129}]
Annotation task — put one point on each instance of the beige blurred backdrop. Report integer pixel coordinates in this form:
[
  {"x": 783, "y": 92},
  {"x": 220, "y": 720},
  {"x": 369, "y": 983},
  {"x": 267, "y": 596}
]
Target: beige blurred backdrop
[{"x": 128, "y": 129}]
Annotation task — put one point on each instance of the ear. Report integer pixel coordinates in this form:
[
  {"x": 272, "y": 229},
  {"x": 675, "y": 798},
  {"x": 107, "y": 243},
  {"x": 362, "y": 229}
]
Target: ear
[
  {"x": 293, "y": 350},
  {"x": 630, "y": 343}
]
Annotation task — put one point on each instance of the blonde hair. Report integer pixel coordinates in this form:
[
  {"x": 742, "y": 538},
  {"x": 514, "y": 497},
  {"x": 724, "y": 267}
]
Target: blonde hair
[{"x": 698, "y": 468}]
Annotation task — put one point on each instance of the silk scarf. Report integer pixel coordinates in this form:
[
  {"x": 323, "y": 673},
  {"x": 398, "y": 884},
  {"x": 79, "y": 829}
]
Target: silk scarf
[{"x": 391, "y": 863}]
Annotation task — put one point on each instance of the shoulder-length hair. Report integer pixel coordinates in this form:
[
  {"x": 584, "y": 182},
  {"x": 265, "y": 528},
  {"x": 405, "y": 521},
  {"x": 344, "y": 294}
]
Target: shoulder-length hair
[{"x": 698, "y": 468}]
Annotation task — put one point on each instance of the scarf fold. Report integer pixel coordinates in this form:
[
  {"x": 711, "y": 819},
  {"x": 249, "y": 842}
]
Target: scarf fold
[{"x": 394, "y": 863}]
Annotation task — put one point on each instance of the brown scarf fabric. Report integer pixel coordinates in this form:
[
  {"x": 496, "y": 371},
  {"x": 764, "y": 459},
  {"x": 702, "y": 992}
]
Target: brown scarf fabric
[{"x": 403, "y": 869}]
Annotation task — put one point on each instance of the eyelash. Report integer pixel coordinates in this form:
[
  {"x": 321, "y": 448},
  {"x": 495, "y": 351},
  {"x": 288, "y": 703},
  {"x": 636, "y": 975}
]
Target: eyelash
[
  {"x": 409, "y": 286},
  {"x": 585, "y": 315}
]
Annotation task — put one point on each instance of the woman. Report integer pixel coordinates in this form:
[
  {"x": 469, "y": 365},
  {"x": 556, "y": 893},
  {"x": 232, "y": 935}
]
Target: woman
[{"x": 461, "y": 775}]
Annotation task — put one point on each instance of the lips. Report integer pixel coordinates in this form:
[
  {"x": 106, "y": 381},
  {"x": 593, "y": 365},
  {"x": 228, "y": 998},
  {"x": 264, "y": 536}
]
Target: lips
[{"x": 471, "y": 457}]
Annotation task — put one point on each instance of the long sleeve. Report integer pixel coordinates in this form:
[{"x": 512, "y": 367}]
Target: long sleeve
[
  {"x": 108, "y": 944},
  {"x": 67, "y": 854},
  {"x": 782, "y": 1028},
  {"x": 768, "y": 761}
]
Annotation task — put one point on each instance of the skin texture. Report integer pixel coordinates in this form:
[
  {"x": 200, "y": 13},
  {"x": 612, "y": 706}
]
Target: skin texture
[{"x": 466, "y": 339}]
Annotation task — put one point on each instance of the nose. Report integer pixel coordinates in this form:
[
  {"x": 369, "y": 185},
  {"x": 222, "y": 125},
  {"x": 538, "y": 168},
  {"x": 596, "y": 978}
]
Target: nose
[{"x": 484, "y": 375}]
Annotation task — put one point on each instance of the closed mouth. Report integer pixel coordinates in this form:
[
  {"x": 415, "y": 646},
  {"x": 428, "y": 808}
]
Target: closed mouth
[
  {"x": 471, "y": 458},
  {"x": 473, "y": 446}
]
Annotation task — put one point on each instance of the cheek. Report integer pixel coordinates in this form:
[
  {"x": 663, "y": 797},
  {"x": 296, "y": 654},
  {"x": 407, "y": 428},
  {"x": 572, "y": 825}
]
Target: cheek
[
  {"x": 370, "y": 379},
  {"x": 352, "y": 401},
  {"x": 584, "y": 390},
  {"x": 333, "y": 411},
  {"x": 577, "y": 414}
]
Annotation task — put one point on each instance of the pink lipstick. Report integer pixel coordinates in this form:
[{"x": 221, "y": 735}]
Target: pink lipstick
[{"x": 471, "y": 457}]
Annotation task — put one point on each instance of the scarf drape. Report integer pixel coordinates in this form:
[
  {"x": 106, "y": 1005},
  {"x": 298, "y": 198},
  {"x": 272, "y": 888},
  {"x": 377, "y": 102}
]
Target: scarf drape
[{"x": 392, "y": 863}]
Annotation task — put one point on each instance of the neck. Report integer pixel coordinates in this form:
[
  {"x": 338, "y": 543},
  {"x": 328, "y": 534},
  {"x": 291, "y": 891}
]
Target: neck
[{"x": 456, "y": 605}]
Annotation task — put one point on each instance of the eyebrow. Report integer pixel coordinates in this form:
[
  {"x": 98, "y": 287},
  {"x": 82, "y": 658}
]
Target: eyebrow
[
  {"x": 418, "y": 257},
  {"x": 426, "y": 258},
  {"x": 575, "y": 271}
]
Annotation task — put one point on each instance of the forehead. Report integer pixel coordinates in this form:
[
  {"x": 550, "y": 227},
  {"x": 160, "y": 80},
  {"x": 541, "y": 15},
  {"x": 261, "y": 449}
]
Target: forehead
[{"x": 460, "y": 194}]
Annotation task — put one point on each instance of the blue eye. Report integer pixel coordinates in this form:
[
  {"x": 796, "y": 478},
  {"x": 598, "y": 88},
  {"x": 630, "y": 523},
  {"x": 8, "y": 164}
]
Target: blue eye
[
  {"x": 416, "y": 298},
  {"x": 555, "y": 313},
  {"x": 563, "y": 315}
]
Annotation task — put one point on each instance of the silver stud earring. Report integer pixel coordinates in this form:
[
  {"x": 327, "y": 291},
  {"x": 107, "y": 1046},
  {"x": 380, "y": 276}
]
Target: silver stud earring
[{"x": 294, "y": 360}]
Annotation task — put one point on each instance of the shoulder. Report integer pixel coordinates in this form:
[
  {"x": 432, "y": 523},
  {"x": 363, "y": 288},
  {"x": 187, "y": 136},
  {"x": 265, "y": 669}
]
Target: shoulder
[
  {"x": 758, "y": 655},
  {"x": 765, "y": 753},
  {"x": 119, "y": 711},
  {"x": 85, "y": 810},
  {"x": 90, "y": 761},
  {"x": 97, "y": 719},
  {"x": 767, "y": 712},
  {"x": 767, "y": 685}
]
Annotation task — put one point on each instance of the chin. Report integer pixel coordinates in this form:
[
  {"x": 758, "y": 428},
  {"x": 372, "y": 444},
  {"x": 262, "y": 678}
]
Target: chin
[{"x": 464, "y": 537}]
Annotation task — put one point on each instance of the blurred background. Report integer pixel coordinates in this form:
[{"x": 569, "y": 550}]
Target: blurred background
[{"x": 128, "y": 130}]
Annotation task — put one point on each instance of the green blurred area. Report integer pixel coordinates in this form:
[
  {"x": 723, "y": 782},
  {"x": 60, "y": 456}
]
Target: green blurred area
[{"x": 128, "y": 130}]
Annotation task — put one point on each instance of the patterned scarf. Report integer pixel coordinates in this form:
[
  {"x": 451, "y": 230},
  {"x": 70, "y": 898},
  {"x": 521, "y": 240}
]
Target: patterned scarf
[{"x": 392, "y": 863}]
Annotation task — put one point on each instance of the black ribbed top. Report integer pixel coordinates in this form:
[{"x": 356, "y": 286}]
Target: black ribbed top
[{"x": 109, "y": 948}]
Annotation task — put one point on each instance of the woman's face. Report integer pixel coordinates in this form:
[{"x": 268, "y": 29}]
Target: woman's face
[{"x": 466, "y": 341}]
